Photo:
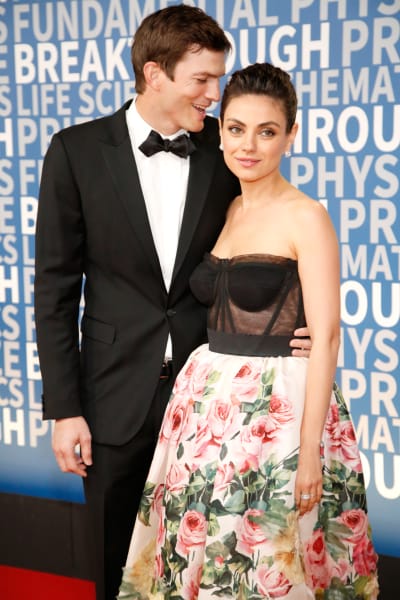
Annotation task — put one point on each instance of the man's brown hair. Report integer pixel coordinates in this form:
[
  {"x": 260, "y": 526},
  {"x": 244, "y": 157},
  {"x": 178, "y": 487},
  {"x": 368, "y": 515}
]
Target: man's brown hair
[{"x": 167, "y": 34}]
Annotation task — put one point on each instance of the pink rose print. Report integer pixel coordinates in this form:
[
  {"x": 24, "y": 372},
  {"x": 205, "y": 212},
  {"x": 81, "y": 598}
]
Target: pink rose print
[
  {"x": 158, "y": 567},
  {"x": 219, "y": 562},
  {"x": 364, "y": 557},
  {"x": 224, "y": 476},
  {"x": 349, "y": 447},
  {"x": 263, "y": 428},
  {"x": 319, "y": 565},
  {"x": 192, "y": 380},
  {"x": 176, "y": 417},
  {"x": 271, "y": 583},
  {"x": 357, "y": 521},
  {"x": 182, "y": 382},
  {"x": 205, "y": 449},
  {"x": 177, "y": 478},
  {"x": 250, "y": 536},
  {"x": 342, "y": 440},
  {"x": 341, "y": 569},
  {"x": 246, "y": 452},
  {"x": 158, "y": 498},
  {"x": 246, "y": 382},
  {"x": 223, "y": 417},
  {"x": 280, "y": 410},
  {"x": 191, "y": 583},
  {"x": 198, "y": 381},
  {"x": 192, "y": 532},
  {"x": 161, "y": 531}
]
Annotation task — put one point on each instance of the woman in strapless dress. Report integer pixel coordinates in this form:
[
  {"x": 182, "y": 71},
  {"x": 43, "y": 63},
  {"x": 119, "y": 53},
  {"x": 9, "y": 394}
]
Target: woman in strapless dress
[{"x": 256, "y": 488}]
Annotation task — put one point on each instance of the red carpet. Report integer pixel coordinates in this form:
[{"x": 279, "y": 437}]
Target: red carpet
[{"x": 21, "y": 584}]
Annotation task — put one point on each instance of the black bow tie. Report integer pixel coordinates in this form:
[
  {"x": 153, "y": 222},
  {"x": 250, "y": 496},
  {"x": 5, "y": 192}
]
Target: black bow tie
[{"x": 181, "y": 146}]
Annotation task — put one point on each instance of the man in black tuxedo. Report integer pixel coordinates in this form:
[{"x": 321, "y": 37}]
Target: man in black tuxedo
[{"x": 132, "y": 221}]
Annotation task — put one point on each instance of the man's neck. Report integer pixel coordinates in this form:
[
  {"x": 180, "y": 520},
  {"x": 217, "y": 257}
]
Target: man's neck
[{"x": 149, "y": 110}]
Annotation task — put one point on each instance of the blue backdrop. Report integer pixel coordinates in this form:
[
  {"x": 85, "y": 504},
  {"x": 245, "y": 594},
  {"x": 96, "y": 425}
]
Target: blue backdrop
[{"x": 63, "y": 62}]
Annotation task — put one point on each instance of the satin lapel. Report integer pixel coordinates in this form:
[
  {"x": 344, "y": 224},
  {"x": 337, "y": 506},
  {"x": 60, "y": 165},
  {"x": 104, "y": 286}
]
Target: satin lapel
[
  {"x": 201, "y": 170},
  {"x": 122, "y": 167}
]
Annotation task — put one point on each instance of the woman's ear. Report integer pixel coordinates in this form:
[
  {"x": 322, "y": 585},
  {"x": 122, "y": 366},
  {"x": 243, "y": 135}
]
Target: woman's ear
[
  {"x": 291, "y": 138},
  {"x": 220, "y": 134},
  {"x": 293, "y": 133}
]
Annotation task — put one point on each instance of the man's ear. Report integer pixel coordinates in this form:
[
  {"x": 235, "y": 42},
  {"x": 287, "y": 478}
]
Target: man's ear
[{"x": 152, "y": 73}]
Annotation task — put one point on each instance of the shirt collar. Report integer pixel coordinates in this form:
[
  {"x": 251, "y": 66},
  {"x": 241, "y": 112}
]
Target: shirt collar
[{"x": 140, "y": 129}]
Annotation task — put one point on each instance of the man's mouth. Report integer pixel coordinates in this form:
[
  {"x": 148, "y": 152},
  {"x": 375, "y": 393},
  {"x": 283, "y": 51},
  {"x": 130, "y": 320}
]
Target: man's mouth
[{"x": 200, "y": 109}]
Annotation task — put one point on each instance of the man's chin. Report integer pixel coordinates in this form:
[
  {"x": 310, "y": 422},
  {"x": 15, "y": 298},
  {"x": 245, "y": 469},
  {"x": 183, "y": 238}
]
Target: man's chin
[{"x": 196, "y": 127}]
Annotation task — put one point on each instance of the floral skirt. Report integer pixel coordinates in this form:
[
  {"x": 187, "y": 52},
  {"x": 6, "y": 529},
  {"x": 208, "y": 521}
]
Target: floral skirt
[{"x": 218, "y": 517}]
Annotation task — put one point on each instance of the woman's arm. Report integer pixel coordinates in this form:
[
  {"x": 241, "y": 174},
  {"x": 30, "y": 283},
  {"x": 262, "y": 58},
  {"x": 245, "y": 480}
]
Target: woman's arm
[{"x": 318, "y": 261}]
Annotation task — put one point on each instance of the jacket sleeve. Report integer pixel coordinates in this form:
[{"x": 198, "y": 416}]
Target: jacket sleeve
[{"x": 59, "y": 256}]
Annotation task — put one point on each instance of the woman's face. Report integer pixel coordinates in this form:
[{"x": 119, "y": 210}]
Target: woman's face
[{"x": 254, "y": 136}]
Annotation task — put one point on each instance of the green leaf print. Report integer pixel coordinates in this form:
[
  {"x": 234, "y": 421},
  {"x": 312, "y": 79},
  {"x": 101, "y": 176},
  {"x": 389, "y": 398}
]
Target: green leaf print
[
  {"x": 359, "y": 585},
  {"x": 236, "y": 504},
  {"x": 180, "y": 451},
  {"x": 281, "y": 479},
  {"x": 267, "y": 377},
  {"x": 197, "y": 484},
  {"x": 213, "y": 377},
  {"x": 213, "y": 576},
  {"x": 217, "y": 549},
  {"x": 213, "y": 525},
  {"x": 273, "y": 521},
  {"x": 199, "y": 507},
  {"x": 333, "y": 534},
  {"x": 355, "y": 484},
  {"x": 223, "y": 451},
  {"x": 175, "y": 508}
]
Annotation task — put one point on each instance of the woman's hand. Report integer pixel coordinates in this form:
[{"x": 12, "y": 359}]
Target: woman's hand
[{"x": 308, "y": 486}]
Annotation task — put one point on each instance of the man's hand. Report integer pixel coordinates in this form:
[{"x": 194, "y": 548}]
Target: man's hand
[
  {"x": 301, "y": 342},
  {"x": 67, "y": 434}
]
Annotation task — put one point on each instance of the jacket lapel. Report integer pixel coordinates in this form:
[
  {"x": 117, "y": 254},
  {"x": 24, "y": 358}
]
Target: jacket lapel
[
  {"x": 120, "y": 161},
  {"x": 202, "y": 163}
]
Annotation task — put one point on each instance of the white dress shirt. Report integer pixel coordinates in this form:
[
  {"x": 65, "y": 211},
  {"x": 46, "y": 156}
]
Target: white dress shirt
[{"x": 163, "y": 179}]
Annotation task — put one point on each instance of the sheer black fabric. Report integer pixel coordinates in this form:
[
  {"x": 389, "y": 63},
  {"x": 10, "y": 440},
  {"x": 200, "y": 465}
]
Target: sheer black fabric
[{"x": 254, "y": 301}]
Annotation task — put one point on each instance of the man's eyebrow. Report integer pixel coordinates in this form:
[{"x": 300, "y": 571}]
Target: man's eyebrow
[{"x": 207, "y": 74}]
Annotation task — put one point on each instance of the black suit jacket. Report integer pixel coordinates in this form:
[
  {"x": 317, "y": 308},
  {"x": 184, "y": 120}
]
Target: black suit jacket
[{"x": 92, "y": 225}]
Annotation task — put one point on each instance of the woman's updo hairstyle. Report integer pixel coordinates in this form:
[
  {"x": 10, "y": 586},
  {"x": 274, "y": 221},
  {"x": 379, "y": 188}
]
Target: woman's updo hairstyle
[{"x": 263, "y": 79}]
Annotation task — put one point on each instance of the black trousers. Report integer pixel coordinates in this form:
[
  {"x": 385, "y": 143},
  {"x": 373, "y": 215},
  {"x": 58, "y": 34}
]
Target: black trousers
[{"x": 113, "y": 489}]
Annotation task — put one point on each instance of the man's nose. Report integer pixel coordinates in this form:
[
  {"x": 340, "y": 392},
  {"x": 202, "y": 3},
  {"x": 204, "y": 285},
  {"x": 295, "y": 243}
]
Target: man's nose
[{"x": 213, "y": 92}]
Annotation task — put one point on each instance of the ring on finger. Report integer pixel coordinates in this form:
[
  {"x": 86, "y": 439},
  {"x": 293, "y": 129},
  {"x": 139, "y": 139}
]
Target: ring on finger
[{"x": 305, "y": 496}]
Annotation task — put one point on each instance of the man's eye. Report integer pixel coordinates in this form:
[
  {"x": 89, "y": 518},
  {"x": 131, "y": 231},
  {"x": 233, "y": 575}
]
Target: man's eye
[{"x": 201, "y": 80}]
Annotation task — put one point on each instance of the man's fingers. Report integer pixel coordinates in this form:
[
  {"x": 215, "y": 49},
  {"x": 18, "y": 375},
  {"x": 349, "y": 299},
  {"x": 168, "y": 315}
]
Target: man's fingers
[
  {"x": 68, "y": 435},
  {"x": 302, "y": 332},
  {"x": 86, "y": 451}
]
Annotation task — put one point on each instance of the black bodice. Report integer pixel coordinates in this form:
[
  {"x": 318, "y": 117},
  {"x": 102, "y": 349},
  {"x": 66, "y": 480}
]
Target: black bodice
[{"x": 254, "y": 303}]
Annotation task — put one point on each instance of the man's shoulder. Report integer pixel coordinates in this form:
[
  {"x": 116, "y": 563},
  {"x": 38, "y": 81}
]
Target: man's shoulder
[
  {"x": 211, "y": 125},
  {"x": 109, "y": 125}
]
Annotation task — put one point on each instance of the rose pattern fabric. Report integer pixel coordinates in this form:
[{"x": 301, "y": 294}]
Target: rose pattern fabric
[{"x": 218, "y": 507}]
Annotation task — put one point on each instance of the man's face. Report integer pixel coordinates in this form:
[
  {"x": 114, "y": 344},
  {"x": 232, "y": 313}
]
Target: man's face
[{"x": 184, "y": 101}]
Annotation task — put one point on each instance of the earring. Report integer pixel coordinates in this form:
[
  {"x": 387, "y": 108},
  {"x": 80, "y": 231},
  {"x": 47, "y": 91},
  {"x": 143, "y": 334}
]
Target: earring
[
  {"x": 288, "y": 154},
  {"x": 221, "y": 146}
]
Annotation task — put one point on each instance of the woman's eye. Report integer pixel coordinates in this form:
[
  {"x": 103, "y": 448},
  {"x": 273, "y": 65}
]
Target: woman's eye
[
  {"x": 267, "y": 133},
  {"x": 235, "y": 130}
]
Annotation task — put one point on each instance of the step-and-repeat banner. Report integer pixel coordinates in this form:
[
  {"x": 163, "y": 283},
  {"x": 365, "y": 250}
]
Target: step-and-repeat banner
[{"x": 64, "y": 62}]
